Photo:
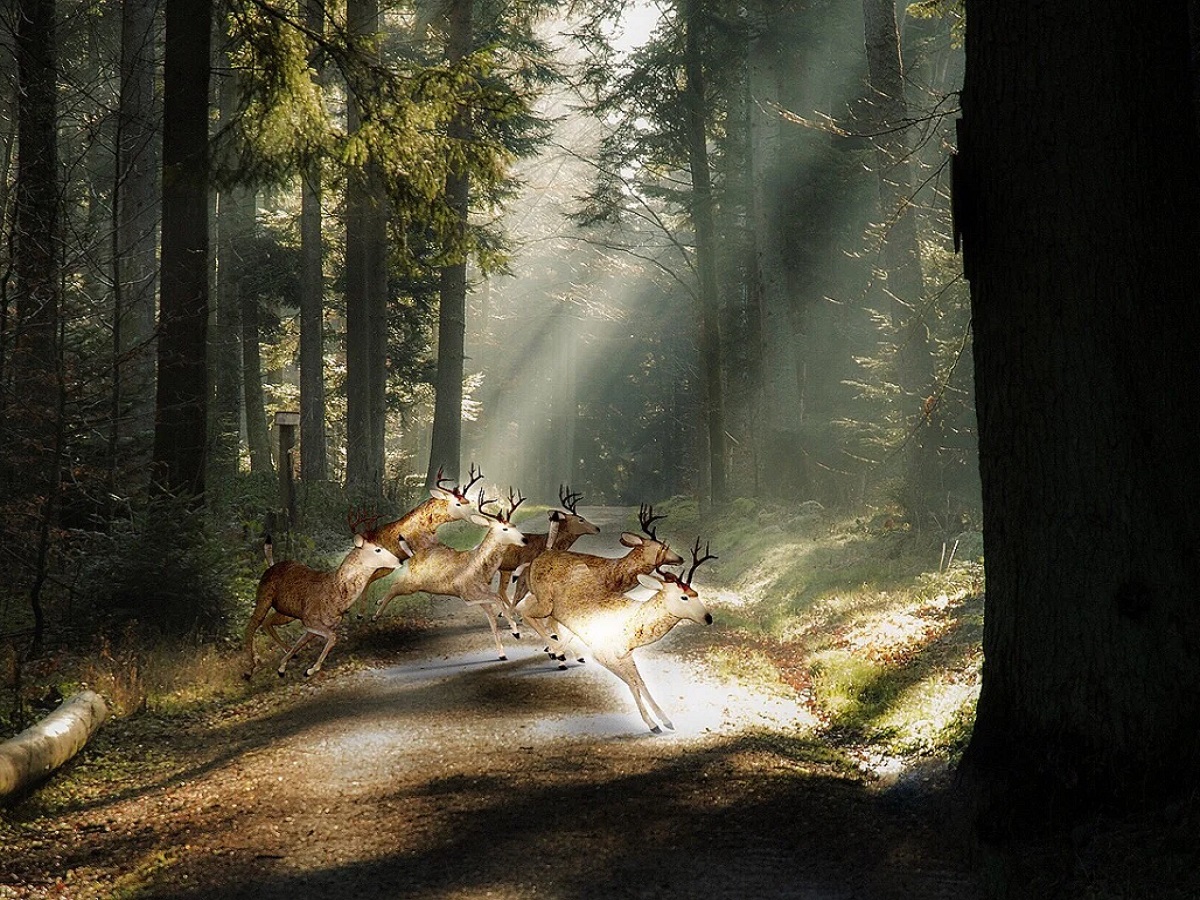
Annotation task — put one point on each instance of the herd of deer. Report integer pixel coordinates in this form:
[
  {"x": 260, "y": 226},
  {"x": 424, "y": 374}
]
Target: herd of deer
[{"x": 554, "y": 587}]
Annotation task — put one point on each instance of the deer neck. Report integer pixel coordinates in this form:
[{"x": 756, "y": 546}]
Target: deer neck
[
  {"x": 484, "y": 561},
  {"x": 418, "y": 526},
  {"x": 566, "y": 538},
  {"x": 648, "y": 623},
  {"x": 352, "y": 577}
]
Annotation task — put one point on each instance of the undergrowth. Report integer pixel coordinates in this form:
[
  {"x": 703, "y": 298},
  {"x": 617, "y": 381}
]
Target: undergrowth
[{"x": 878, "y": 627}]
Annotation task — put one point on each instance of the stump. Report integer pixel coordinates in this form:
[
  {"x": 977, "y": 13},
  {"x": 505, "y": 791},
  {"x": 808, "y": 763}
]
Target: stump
[{"x": 45, "y": 746}]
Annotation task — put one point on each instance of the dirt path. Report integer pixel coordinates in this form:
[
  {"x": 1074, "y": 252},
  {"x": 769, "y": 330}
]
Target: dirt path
[{"x": 441, "y": 772}]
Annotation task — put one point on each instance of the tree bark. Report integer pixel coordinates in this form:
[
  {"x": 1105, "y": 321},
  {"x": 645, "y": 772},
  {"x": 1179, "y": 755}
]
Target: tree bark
[
  {"x": 446, "y": 444},
  {"x": 314, "y": 464},
  {"x": 1076, "y": 192},
  {"x": 243, "y": 214},
  {"x": 899, "y": 270},
  {"x": 138, "y": 168},
  {"x": 365, "y": 368},
  {"x": 40, "y": 749},
  {"x": 180, "y": 438},
  {"x": 706, "y": 263}
]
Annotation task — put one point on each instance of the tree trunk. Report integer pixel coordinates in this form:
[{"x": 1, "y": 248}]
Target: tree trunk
[
  {"x": 899, "y": 270},
  {"x": 136, "y": 232},
  {"x": 40, "y": 749},
  {"x": 33, "y": 442},
  {"x": 706, "y": 263},
  {"x": 314, "y": 465},
  {"x": 364, "y": 471},
  {"x": 1076, "y": 193},
  {"x": 446, "y": 446},
  {"x": 180, "y": 437},
  {"x": 226, "y": 347},
  {"x": 242, "y": 211}
]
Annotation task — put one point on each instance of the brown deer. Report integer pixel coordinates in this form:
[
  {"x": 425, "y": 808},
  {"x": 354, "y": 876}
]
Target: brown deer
[
  {"x": 612, "y": 625},
  {"x": 418, "y": 527},
  {"x": 620, "y": 574},
  {"x": 466, "y": 574},
  {"x": 291, "y": 590},
  {"x": 566, "y": 527}
]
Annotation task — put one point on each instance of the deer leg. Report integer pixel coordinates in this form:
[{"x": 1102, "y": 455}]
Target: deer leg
[
  {"x": 632, "y": 670},
  {"x": 270, "y": 625},
  {"x": 399, "y": 586},
  {"x": 489, "y": 610},
  {"x": 304, "y": 639},
  {"x": 624, "y": 669},
  {"x": 539, "y": 625},
  {"x": 330, "y": 639}
]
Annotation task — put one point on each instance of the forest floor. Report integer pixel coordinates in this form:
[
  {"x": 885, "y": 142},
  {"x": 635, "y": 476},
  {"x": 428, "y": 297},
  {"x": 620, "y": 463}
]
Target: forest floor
[{"x": 417, "y": 765}]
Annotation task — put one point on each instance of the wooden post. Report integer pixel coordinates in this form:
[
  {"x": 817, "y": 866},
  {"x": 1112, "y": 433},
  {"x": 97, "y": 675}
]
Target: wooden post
[{"x": 287, "y": 422}]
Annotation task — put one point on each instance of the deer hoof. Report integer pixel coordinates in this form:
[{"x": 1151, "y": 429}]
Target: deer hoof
[
  {"x": 279, "y": 672},
  {"x": 503, "y": 656},
  {"x": 554, "y": 637},
  {"x": 562, "y": 665},
  {"x": 656, "y": 730}
]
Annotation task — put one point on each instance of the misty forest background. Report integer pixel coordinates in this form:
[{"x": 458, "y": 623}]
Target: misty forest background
[
  {"x": 698, "y": 253},
  {"x": 699, "y": 250}
]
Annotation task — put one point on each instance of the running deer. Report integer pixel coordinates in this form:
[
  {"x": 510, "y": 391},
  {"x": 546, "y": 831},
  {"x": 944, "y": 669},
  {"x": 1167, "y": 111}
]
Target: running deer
[
  {"x": 566, "y": 527},
  {"x": 620, "y": 574},
  {"x": 613, "y": 626},
  {"x": 418, "y": 527},
  {"x": 466, "y": 574},
  {"x": 291, "y": 590}
]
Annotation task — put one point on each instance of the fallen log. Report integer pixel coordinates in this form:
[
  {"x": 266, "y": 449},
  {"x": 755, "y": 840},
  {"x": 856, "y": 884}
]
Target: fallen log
[{"x": 44, "y": 746}]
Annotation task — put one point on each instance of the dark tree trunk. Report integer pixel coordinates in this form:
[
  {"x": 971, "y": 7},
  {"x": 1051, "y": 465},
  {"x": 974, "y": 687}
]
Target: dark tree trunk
[
  {"x": 446, "y": 445},
  {"x": 1076, "y": 193},
  {"x": 182, "y": 400},
  {"x": 33, "y": 444},
  {"x": 136, "y": 232},
  {"x": 706, "y": 262},
  {"x": 364, "y": 366},
  {"x": 313, "y": 461}
]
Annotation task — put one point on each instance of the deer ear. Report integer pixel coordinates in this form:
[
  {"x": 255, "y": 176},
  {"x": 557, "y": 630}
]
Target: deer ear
[
  {"x": 652, "y": 583},
  {"x": 482, "y": 521},
  {"x": 557, "y": 515},
  {"x": 629, "y": 539},
  {"x": 516, "y": 573},
  {"x": 405, "y": 548},
  {"x": 359, "y": 540},
  {"x": 438, "y": 494}
]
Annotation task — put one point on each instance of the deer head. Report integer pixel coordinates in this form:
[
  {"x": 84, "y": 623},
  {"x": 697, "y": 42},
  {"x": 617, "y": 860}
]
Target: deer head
[
  {"x": 456, "y": 496},
  {"x": 571, "y": 520},
  {"x": 663, "y": 555},
  {"x": 500, "y": 525},
  {"x": 677, "y": 593}
]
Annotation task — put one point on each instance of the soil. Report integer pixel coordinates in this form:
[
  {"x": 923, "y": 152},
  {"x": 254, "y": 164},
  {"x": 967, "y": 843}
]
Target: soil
[{"x": 417, "y": 765}]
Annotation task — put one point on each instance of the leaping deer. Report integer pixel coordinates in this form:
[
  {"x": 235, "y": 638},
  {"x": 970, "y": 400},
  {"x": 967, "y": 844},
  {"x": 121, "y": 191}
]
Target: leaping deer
[
  {"x": 291, "y": 590},
  {"x": 646, "y": 555},
  {"x": 566, "y": 527},
  {"x": 612, "y": 625},
  {"x": 466, "y": 574}
]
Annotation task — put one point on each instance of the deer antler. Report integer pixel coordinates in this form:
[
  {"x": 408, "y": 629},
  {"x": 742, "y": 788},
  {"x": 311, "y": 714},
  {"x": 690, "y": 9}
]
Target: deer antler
[
  {"x": 697, "y": 559},
  {"x": 568, "y": 499},
  {"x": 646, "y": 519},
  {"x": 440, "y": 477},
  {"x": 483, "y": 502},
  {"x": 356, "y": 518},
  {"x": 474, "y": 474},
  {"x": 514, "y": 500}
]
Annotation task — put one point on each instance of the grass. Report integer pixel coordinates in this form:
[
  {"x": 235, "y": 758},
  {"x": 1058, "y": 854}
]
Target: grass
[{"x": 878, "y": 627}]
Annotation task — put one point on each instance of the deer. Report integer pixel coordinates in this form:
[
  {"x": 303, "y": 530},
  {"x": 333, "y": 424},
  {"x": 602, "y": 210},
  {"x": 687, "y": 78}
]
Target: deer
[
  {"x": 612, "y": 625},
  {"x": 291, "y": 590},
  {"x": 566, "y": 527},
  {"x": 418, "y": 527},
  {"x": 466, "y": 574},
  {"x": 646, "y": 555}
]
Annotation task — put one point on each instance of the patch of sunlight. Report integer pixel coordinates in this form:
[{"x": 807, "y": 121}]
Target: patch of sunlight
[
  {"x": 927, "y": 716},
  {"x": 765, "y": 576},
  {"x": 892, "y": 636}
]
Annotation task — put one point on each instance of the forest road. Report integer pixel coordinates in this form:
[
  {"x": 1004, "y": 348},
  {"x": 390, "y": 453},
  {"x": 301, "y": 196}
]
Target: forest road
[{"x": 438, "y": 771}]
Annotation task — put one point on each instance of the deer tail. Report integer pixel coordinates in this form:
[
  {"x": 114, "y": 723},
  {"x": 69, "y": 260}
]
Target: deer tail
[{"x": 268, "y": 550}]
